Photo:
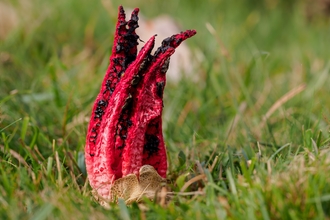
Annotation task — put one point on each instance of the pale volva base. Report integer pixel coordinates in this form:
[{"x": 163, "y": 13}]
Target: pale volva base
[{"x": 133, "y": 189}]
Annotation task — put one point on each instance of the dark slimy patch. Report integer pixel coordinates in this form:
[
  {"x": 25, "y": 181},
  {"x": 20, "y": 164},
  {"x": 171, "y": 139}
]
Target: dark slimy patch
[
  {"x": 160, "y": 88},
  {"x": 151, "y": 145}
]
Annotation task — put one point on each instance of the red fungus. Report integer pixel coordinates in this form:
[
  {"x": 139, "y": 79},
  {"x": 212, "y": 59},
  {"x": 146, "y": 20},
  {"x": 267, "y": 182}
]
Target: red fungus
[{"x": 125, "y": 129}]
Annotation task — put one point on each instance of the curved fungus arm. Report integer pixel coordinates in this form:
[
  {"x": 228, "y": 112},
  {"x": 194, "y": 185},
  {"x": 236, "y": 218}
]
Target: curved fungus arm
[{"x": 125, "y": 129}]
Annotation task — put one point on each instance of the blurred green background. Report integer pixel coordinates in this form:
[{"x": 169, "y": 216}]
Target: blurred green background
[{"x": 54, "y": 60}]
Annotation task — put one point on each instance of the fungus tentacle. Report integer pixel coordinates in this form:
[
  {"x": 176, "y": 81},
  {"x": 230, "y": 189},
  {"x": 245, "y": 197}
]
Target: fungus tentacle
[{"x": 125, "y": 129}]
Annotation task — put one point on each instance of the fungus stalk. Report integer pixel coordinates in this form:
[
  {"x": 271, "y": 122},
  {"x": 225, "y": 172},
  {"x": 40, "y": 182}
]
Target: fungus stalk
[{"x": 125, "y": 151}]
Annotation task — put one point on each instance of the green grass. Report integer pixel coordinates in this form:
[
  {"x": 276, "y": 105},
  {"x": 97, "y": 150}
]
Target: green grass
[{"x": 265, "y": 153}]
